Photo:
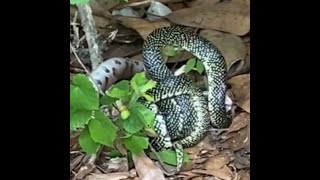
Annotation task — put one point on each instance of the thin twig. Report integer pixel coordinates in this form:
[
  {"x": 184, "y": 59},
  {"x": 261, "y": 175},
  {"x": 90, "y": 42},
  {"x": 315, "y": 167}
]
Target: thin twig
[
  {"x": 75, "y": 29},
  {"x": 77, "y": 57},
  {"x": 89, "y": 28},
  {"x": 85, "y": 69}
]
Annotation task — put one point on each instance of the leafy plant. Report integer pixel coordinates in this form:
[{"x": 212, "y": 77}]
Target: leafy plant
[
  {"x": 132, "y": 128},
  {"x": 79, "y": 2},
  {"x": 99, "y": 130}
]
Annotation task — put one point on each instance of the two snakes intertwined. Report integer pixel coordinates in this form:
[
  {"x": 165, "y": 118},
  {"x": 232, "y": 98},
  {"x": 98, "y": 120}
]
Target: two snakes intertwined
[{"x": 183, "y": 114}]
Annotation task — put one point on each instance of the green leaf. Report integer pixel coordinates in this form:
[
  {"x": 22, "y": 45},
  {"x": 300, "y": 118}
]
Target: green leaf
[
  {"x": 170, "y": 51},
  {"x": 145, "y": 115},
  {"x": 136, "y": 144},
  {"x": 79, "y": 118},
  {"x": 107, "y": 100},
  {"x": 169, "y": 157},
  {"x": 138, "y": 80},
  {"x": 83, "y": 94},
  {"x": 102, "y": 129},
  {"x": 150, "y": 84},
  {"x": 87, "y": 143},
  {"x": 132, "y": 124},
  {"x": 134, "y": 85},
  {"x": 199, "y": 67},
  {"x": 79, "y": 2},
  {"x": 119, "y": 90},
  {"x": 190, "y": 65},
  {"x": 148, "y": 97}
]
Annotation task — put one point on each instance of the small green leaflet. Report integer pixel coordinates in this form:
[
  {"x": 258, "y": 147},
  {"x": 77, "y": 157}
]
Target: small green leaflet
[
  {"x": 119, "y": 90},
  {"x": 169, "y": 157},
  {"x": 150, "y": 84},
  {"x": 190, "y": 65},
  {"x": 138, "y": 80},
  {"x": 79, "y": 118},
  {"x": 87, "y": 144},
  {"x": 107, "y": 100},
  {"x": 82, "y": 94},
  {"x": 145, "y": 115},
  {"x": 148, "y": 97},
  {"x": 199, "y": 67},
  {"x": 169, "y": 51},
  {"x": 79, "y": 2},
  {"x": 132, "y": 124},
  {"x": 136, "y": 144},
  {"x": 102, "y": 129}
]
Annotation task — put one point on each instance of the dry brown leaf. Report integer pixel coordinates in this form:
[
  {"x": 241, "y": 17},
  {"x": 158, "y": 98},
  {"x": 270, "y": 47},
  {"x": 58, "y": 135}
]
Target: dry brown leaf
[
  {"x": 231, "y": 46},
  {"x": 176, "y": 6},
  {"x": 186, "y": 175},
  {"x": 244, "y": 175},
  {"x": 76, "y": 161},
  {"x": 239, "y": 122},
  {"x": 109, "y": 176},
  {"x": 197, "y": 178},
  {"x": 99, "y": 21},
  {"x": 201, "y": 2},
  {"x": 145, "y": 168},
  {"x": 206, "y": 144},
  {"x": 85, "y": 170},
  {"x": 229, "y": 17},
  {"x": 99, "y": 9},
  {"x": 223, "y": 173},
  {"x": 217, "y": 162},
  {"x": 106, "y": 4},
  {"x": 240, "y": 87},
  {"x": 121, "y": 50},
  {"x": 143, "y": 27},
  {"x": 247, "y": 2},
  {"x": 239, "y": 141},
  {"x": 118, "y": 164}
]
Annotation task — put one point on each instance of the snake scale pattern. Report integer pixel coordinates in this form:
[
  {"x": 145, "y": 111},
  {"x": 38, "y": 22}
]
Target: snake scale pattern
[{"x": 183, "y": 114}]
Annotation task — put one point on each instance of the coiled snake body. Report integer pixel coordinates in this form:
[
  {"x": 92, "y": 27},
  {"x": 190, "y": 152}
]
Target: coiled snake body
[{"x": 183, "y": 114}]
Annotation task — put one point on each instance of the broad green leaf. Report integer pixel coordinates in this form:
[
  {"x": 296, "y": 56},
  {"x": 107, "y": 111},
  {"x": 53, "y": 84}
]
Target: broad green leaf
[
  {"x": 190, "y": 65},
  {"x": 145, "y": 115},
  {"x": 199, "y": 67},
  {"x": 102, "y": 129},
  {"x": 139, "y": 79},
  {"x": 169, "y": 157},
  {"x": 134, "y": 86},
  {"x": 148, "y": 97},
  {"x": 87, "y": 143},
  {"x": 82, "y": 94},
  {"x": 79, "y": 2},
  {"x": 107, "y": 100},
  {"x": 136, "y": 144},
  {"x": 170, "y": 51},
  {"x": 119, "y": 90},
  {"x": 132, "y": 124},
  {"x": 79, "y": 118},
  {"x": 150, "y": 84}
]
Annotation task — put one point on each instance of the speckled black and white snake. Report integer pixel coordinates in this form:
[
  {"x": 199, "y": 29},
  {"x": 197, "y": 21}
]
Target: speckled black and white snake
[{"x": 183, "y": 114}]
